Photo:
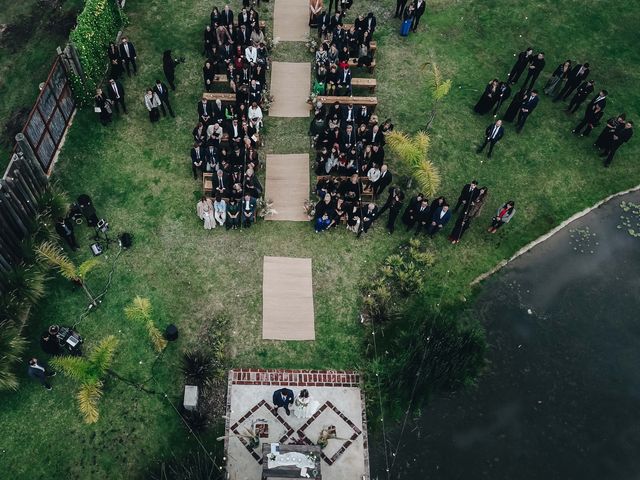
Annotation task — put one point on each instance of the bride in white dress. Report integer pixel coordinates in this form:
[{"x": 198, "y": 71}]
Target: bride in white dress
[
  {"x": 304, "y": 405},
  {"x": 205, "y": 212}
]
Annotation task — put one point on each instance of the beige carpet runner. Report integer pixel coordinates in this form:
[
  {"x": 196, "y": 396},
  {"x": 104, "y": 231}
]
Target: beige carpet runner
[
  {"x": 287, "y": 299},
  {"x": 290, "y": 87},
  {"x": 291, "y": 20},
  {"x": 287, "y": 185}
]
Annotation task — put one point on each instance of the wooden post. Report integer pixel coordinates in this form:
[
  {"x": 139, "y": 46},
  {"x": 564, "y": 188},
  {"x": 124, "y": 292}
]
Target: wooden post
[
  {"x": 27, "y": 200},
  {"x": 8, "y": 232},
  {"x": 14, "y": 208},
  {"x": 26, "y": 150},
  {"x": 36, "y": 174},
  {"x": 75, "y": 58},
  {"x": 27, "y": 177}
]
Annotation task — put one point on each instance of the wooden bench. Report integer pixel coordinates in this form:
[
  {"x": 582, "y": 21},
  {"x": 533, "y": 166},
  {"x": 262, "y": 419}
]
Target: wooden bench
[
  {"x": 223, "y": 97},
  {"x": 207, "y": 183},
  {"x": 367, "y": 186},
  {"x": 369, "y": 83},
  {"x": 353, "y": 63},
  {"x": 371, "y": 102}
]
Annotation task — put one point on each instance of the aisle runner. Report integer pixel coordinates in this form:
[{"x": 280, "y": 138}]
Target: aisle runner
[
  {"x": 287, "y": 185},
  {"x": 290, "y": 87},
  {"x": 287, "y": 299},
  {"x": 291, "y": 20}
]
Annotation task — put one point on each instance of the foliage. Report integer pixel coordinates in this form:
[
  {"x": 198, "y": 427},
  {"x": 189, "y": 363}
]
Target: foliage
[
  {"x": 413, "y": 153},
  {"x": 195, "y": 466},
  {"x": 140, "y": 310},
  {"x": 89, "y": 372},
  {"x": 439, "y": 90},
  {"x": 197, "y": 367},
  {"x": 27, "y": 282},
  {"x": 12, "y": 346},
  {"x": 54, "y": 201},
  {"x": 98, "y": 24}
]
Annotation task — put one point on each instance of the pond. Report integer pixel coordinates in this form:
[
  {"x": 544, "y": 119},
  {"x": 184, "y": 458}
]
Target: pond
[{"x": 561, "y": 397}]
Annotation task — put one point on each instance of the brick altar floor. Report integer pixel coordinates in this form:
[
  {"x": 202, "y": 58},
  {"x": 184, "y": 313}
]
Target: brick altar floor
[{"x": 249, "y": 400}]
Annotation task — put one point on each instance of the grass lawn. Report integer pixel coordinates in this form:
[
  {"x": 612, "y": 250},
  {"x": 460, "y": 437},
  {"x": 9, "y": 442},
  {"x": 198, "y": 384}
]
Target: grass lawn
[{"x": 140, "y": 179}]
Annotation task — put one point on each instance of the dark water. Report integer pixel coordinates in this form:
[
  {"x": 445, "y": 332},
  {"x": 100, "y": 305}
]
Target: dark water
[{"x": 561, "y": 399}]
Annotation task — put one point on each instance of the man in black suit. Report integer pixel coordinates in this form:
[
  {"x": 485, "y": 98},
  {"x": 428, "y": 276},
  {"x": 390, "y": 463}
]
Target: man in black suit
[
  {"x": 419, "y": 5},
  {"x": 524, "y": 58},
  {"x": 584, "y": 90},
  {"x": 504, "y": 92},
  {"x": 527, "y": 106},
  {"x": 422, "y": 216},
  {"x": 348, "y": 113},
  {"x": 363, "y": 115},
  {"x": 197, "y": 159},
  {"x": 394, "y": 205},
  {"x": 383, "y": 182},
  {"x": 535, "y": 69},
  {"x": 622, "y": 135},
  {"x": 324, "y": 21},
  {"x": 440, "y": 218},
  {"x": 578, "y": 74},
  {"x": 64, "y": 228},
  {"x": 128, "y": 55},
  {"x": 40, "y": 373},
  {"x": 205, "y": 111},
  {"x": 492, "y": 135},
  {"x": 591, "y": 118},
  {"x": 221, "y": 183},
  {"x": 347, "y": 139},
  {"x": 163, "y": 94},
  {"x": 370, "y": 23},
  {"x": 600, "y": 100},
  {"x": 116, "y": 94},
  {"x": 344, "y": 81},
  {"x": 468, "y": 195},
  {"x": 282, "y": 398},
  {"x": 226, "y": 16},
  {"x": 368, "y": 217},
  {"x": 374, "y": 136}
]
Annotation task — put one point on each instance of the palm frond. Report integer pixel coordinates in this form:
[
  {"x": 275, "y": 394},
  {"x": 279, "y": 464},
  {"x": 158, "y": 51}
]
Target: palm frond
[
  {"x": 52, "y": 255},
  {"x": 88, "y": 396},
  {"x": 157, "y": 339},
  {"x": 441, "y": 90},
  {"x": 88, "y": 265},
  {"x": 102, "y": 355},
  {"x": 422, "y": 141},
  {"x": 428, "y": 177},
  {"x": 139, "y": 309},
  {"x": 12, "y": 345},
  {"x": 77, "y": 368}
]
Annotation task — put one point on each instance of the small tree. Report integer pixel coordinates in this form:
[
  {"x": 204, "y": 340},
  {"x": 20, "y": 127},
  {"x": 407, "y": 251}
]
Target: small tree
[
  {"x": 412, "y": 152},
  {"x": 140, "y": 311},
  {"x": 51, "y": 254},
  {"x": 89, "y": 372},
  {"x": 439, "y": 90}
]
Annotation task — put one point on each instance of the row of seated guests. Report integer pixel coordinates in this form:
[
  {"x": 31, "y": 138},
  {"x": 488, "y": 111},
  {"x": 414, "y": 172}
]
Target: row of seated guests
[
  {"x": 239, "y": 120},
  {"x": 231, "y": 213},
  {"x": 241, "y": 65}
]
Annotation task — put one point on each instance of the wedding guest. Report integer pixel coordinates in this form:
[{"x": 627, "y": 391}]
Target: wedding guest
[
  {"x": 233, "y": 214},
  {"x": 220, "y": 210},
  {"x": 152, "y": 102},
  {"x": 503, "y": 215},
  {"x": 304, "y": 406},
  {"x": 204, "y": 209}
]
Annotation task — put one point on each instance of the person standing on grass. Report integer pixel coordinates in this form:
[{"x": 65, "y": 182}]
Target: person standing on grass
[
  {"x": 169, "y": 68},
  {"x": 102, "y": 107},
  {"x": 116, "y": 94},
  {"x": 394, "y": 205},
  {"x": 440, "y": 218},
  {"x": 407, "y": 20},
  {"x": 64, "y": 228},
  {"x": 162, "y": 91},
  {"x": 606, "y": 136},
  {"x": 467, "y": 196},
  {"x": 419, "y": 6},
  {"x": 560, "y": 75},
  {"x": 620, "y": 137},
  {"x": 591, "y": 118},
  {"x": 197, "y": 159},
  {"x": 400, "y": 6},
  {"x": 584, "y": 90},
  {"x": 40, "y": 373},
  {"x": 152, "y": 102},
  {"x": 527, "y": 106},
  {"x": 535, "y": 69},
  {"x": 503, "y": 215},
  {"x": 578, "y": 74},
  {"x": 492, "y": 135},
  {"x": 504, "y": 92},
  {"x": 128, "y": 55},
  {"x": 524, "y": 58}
]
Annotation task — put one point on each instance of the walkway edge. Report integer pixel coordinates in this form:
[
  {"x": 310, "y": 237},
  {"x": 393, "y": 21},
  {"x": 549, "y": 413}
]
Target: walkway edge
[{"x": 549, "y": 234}]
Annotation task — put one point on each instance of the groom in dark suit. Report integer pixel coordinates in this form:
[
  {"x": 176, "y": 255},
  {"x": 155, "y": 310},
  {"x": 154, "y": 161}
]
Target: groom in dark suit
[{"x": 282, "y": 398}]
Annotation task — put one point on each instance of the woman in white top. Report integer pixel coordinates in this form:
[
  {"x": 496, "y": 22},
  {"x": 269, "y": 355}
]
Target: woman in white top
[
  {"x": 373, "y": 173},
  {"x": 220, "y": 210},
  {"x": 204, "y": 209},
  {"x": 152, "y": 102},
  {"x": 255, "y": 113},
  {"x": 304, "y": 406},
  {"x": 251, "y": 54}
]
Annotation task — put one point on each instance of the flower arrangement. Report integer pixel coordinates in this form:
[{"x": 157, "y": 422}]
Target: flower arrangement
[
  {"x": 267, "y": 99},
  {"x": 310, "y": 209},
  {"x": 312, "y": 98},
  {"x": 265, "y": 208},
  {"x": 271, "y": 42},
  {"x": 312, "y": 43}
]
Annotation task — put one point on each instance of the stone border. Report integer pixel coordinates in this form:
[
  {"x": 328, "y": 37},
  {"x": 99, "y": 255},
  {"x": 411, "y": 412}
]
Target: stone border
[
  {"x": 294, "y": 378},
  {"x": 549, "y": 234}
]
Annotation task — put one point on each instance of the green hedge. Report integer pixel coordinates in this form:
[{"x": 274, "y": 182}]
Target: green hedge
[{"x": 98, "y": 24}]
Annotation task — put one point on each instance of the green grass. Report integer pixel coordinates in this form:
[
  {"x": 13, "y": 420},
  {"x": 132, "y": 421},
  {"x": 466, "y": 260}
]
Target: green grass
[{"x": 140, "y": 179}]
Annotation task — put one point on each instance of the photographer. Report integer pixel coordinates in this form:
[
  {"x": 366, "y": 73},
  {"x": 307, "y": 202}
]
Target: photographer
[{"x": 169, "y": 66}]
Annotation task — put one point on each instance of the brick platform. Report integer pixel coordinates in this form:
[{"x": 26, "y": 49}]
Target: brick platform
[{"x": 295, "y": 378}]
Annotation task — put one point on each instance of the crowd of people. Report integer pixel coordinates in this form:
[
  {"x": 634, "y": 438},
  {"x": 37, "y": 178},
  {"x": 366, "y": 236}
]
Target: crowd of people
[
  {"x": 569, "y": 79},
  {"x": 226, "y": 137}
]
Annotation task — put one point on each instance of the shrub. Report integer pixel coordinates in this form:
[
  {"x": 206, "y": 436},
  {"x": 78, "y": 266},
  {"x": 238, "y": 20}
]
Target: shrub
[
  {"x": 12, "y": 345},
  {"x": 98, "y": 24}
]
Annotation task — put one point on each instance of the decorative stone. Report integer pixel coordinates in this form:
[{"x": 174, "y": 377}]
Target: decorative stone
[{"x": 190, "y": 401}]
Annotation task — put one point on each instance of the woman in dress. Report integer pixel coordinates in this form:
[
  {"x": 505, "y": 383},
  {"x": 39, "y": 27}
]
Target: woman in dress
[
  {"x": 114, "y": 60},
  {"x": 560, "y": 75},
  {"x": 488, "y": 98},
  {"x": 233, "y": 214},
  {"x": 315, "y": 7},
  {"x": 204, "y": 209},
  {"x": 514, "y": 106},
  {"x": 215, "y": 17},
  {"x": 152, "y": 102},
  {"x": 304, "y": 406},
  {"x": 503, "y": 215}
]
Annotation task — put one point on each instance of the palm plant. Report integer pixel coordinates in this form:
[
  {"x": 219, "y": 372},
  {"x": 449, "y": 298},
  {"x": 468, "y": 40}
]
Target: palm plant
[
  {"x": 51, "y": 254},
  {"x": 12, "y": 345},
  {"x": 439, "y": 90},
  {"x": 412, "y": 152},
  {"x": 89, "y": 372},
  {"x": 140, "y": 310}
]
